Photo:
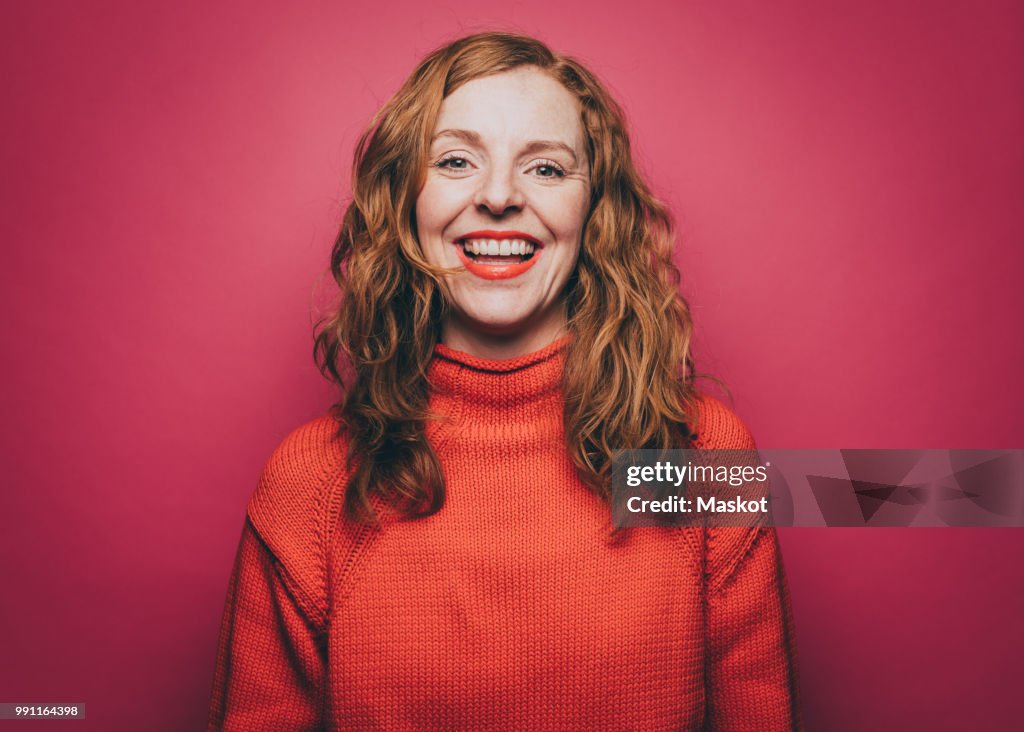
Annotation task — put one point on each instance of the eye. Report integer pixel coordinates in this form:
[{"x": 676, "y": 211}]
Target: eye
[
  {"x": 452, "y": 162},
  {"x": 547, "y": 169}
]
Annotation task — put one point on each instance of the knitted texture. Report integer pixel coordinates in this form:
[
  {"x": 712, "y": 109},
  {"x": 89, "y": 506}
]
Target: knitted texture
[{"x": 511, "y": 608}]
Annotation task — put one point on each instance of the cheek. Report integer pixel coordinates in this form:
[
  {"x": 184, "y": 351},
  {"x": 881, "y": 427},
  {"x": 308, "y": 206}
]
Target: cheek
[
  {"x": 431, "y": 219},
  {"x": 426, "y": 210},
  {"x": 567, "y": 215},
  {"x": 438, "y": 204}
]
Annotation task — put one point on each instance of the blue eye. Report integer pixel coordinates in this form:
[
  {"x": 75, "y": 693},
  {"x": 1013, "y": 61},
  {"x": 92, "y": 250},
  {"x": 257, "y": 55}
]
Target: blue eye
[
  {"x": 548, "y": 170},
  {"x": 453, "y": 163}
]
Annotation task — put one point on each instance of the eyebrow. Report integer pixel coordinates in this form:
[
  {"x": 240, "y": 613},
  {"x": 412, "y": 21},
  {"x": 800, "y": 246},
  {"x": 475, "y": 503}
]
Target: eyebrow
[{"x": 534, "y": 146}]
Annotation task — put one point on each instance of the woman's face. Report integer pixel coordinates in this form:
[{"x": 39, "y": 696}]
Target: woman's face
[{"x": 506, "y": 195}]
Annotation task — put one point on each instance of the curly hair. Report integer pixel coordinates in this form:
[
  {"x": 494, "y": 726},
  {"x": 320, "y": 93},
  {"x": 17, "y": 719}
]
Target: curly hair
[{"x": 628, "y": 372}]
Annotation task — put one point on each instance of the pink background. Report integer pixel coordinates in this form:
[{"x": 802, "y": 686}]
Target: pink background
[{"x": 847, "y": 179}]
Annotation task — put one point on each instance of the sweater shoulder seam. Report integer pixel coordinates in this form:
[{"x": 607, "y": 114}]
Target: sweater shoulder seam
[
  {"x": 291, "y": 505},
  {"x": 305, "y": 603}
]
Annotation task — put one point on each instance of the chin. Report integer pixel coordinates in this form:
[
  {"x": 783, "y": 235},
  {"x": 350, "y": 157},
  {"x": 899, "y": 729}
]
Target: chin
[{"x": 500, "y": 309}]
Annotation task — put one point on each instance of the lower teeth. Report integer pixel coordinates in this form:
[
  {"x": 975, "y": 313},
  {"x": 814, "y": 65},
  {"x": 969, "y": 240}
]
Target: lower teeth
[{"x": 497, "y": 257}]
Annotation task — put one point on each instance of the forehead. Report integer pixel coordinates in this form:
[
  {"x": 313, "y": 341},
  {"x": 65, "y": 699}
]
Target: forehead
[{"x": 521, "y": 104}]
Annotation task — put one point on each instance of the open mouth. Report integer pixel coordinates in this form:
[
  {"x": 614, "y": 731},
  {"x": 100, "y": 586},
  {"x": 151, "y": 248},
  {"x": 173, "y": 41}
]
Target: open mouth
[
  {"x": 490, "y": 256},
  {"x": 497, "y": 251}
]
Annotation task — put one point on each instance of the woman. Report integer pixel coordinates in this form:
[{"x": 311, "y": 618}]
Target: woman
[{"x": 436, "y": 552}]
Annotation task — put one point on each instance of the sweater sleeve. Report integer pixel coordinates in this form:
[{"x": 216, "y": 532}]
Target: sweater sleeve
[
  {"x": 751, "y": 682},
  {"x": 271, "y": 668},
  {"x": 751, "y": 673},
  {"x": 271, "y": 660}
]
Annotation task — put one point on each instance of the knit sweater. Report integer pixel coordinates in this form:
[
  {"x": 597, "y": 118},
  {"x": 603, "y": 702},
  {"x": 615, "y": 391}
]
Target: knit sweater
[{"x": 512, "y": 608}]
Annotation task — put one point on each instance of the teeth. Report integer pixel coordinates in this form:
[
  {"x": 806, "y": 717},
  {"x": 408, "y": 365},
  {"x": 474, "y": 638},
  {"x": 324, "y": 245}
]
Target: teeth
[{"x": 496, "y": 248}]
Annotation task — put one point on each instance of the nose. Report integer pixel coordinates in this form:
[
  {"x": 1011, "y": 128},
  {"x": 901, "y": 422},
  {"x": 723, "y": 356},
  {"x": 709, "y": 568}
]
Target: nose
[{"x": 499, "y": 192}]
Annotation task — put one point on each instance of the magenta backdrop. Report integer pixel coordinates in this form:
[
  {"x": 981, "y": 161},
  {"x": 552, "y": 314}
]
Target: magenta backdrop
[{"x": 847, "y": 178}]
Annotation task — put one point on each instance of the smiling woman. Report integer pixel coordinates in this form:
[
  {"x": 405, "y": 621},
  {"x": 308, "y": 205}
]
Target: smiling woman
[
  {"x": 436, "y": 552},
  {"x": 508, "y": 173}
]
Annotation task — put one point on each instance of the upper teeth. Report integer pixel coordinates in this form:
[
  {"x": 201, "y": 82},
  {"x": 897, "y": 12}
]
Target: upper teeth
[{"x": 495, "y": 247}]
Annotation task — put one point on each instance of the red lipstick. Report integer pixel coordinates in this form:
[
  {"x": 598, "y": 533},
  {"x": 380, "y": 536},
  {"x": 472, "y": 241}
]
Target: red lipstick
[{"x": 490, "y": 267}]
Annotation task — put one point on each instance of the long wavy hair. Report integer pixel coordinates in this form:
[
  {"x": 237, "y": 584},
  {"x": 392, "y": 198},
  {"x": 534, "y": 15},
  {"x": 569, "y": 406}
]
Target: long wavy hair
[{"x": 628, "y": 373}]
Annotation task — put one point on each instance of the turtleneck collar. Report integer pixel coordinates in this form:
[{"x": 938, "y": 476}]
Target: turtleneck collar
[{"x": 489, "y": 384}]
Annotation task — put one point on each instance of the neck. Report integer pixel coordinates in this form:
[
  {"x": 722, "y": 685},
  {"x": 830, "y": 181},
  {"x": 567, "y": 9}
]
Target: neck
[{"x": 499, "y": 346}]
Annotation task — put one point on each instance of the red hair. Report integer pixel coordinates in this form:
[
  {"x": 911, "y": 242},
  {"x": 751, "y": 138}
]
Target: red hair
[{"x": 627, "y": 380}]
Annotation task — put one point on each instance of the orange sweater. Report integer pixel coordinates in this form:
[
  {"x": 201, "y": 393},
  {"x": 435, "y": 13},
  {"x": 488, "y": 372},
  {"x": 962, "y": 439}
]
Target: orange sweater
[{"x": 508, "y": 609}]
